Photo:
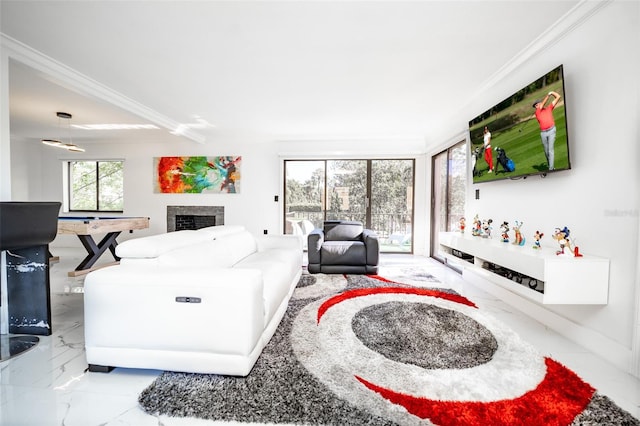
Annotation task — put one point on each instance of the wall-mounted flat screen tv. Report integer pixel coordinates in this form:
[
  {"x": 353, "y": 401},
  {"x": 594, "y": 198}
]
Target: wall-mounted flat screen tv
[{"x": 525, "y": 134}]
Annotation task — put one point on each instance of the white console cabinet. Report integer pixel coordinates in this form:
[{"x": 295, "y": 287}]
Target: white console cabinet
[{"x": 565, "y": 280}]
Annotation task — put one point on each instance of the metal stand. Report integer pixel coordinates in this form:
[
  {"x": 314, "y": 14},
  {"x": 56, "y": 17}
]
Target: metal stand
[
  {"x": 10, "y": 346},
  {"x": 26, "y": 228}
]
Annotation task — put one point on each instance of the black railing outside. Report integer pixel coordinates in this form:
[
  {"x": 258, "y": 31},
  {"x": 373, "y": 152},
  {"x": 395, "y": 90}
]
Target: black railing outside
[{"x": 393, "y": 229}]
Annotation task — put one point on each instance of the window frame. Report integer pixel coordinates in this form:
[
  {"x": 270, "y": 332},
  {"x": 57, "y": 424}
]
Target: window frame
[
  {"x": 367, "y": 222},
  {"x": 69, "y": 185}
]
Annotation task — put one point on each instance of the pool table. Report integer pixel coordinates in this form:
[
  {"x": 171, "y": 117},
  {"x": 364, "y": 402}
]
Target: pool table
[{"x": 85, "y": 227}]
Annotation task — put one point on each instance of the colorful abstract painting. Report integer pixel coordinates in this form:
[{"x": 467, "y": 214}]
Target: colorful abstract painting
[{"x": 199, "y": 175}]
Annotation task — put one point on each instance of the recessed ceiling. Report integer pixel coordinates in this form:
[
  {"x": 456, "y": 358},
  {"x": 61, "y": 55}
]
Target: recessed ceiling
[
  {"x": 272, "y": 70},
  {"x": 35, "y": 99}
]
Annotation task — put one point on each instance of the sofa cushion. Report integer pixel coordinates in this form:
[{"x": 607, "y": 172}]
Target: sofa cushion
[
  {"x": 277, "y": 267},
  {"x": 222, "y": 252},
  {"x": 342, "y": 230},
  {"x": 239, "y": 245},
  {"x": 220, "y": 230},
  {"x": 155, "y": 245},
  {"x": 343, "y": 253},
  {"x": 206, "y": 254}
]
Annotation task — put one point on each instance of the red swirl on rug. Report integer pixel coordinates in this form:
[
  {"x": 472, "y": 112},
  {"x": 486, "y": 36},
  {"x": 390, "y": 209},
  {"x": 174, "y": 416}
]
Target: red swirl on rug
[
  {"x": 390, "y": 290},
  {"x": 557, "y": 400}
]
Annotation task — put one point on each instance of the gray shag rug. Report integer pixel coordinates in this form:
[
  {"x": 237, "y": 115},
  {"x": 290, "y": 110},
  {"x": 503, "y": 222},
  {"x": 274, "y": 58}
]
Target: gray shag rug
[{"x": 340, "y": 335}]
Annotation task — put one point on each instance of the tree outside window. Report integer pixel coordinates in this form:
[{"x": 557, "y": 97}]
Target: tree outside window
[
  {"x": 376, "y": 192},
  {"x": 96, "y": 186}
]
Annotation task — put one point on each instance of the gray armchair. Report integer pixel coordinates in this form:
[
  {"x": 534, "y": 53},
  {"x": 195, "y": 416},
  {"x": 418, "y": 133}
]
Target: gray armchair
[{"x": 343, "y": 247}]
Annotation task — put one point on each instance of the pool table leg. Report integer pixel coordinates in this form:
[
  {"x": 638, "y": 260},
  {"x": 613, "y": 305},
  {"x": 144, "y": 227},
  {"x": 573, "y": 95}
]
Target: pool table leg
[{"x": 96, "y": 250}]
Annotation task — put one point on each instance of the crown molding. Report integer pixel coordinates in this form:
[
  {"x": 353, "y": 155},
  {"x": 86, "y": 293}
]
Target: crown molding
[
  {"x": 84, "y": 85},
  {"x": 575, "y": 17},
  {"x": 571, "y": 20}
]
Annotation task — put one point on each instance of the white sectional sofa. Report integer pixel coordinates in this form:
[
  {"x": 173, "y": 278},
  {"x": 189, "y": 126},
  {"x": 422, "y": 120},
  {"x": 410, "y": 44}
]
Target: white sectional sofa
[{"x": 203, "y": 301}]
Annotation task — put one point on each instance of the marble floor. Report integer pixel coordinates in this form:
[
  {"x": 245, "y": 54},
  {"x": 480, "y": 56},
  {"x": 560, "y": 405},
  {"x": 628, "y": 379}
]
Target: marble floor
[{"x": 49, "y": 384}]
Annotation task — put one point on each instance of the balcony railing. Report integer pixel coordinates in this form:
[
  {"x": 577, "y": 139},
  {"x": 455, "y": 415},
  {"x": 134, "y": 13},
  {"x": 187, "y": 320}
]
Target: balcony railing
[{"x": 393, "y": 229}]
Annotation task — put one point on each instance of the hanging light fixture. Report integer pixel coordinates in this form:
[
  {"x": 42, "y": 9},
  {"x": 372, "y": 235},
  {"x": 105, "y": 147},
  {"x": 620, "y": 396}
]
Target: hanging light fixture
[{"x": 59, "y": 144}]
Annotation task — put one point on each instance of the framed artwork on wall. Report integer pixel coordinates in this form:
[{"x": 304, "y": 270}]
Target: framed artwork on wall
[{"x": 197, "y": 175}]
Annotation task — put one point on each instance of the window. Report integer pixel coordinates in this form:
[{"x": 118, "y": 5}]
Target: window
[
  {"x": 96, "y": 186},
  {"x": 378, "y": 193}
]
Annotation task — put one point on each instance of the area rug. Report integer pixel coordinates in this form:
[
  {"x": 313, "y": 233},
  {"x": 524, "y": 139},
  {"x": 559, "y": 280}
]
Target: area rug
[{"x": 368, "y": 350}]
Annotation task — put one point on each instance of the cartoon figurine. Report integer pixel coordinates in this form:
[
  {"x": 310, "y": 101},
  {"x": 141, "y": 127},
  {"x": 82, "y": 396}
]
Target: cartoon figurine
[
  {"x": 519, "y": 240},
  {"x": 486, "y": 228},
  {"x": 477, "y": 227},
  {"x": 536, "y": 239},
  {"x": 562, "y": 237},
  {"x": 462, "y": 224},
  {"x": 504, "y": 228}
]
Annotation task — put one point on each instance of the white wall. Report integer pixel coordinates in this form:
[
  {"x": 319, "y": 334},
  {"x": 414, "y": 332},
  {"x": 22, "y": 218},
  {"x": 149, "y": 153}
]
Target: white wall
[
  {"x": 598, "y": 198},
  {"x": 26, "y": 181},
  {"x": 5, "y": 145},
  {"x": 253, "y": 207}
]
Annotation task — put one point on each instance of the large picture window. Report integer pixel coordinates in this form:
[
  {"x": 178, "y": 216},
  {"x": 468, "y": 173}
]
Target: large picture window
[
  {"x": 96, "y": 186},
  {"x": 378, "y": 193}
]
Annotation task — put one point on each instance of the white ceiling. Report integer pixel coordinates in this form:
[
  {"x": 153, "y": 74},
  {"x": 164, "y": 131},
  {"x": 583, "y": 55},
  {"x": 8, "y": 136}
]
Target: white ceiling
[{"x": 266, "y": 70}]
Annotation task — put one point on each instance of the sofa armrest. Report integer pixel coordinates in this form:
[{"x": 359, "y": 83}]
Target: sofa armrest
[
  {"x": 372, "y": 244},
  {"x": 314, "y": 243}
]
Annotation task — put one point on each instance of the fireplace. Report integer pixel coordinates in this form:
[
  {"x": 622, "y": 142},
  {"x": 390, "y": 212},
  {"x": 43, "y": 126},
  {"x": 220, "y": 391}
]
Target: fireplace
[
  {"x": 193, "y": 217},
  {"x": 192, "y": 221}
]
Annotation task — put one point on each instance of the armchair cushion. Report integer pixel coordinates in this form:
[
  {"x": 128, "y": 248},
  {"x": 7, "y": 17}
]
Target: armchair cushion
[
  {"x": 336, "y": 230},
  {"x": 343, "y": 253}
]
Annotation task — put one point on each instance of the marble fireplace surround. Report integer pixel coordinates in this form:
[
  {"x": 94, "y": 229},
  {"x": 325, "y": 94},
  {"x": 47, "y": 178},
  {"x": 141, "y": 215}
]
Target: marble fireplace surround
[{"x": 172, "y": 211}]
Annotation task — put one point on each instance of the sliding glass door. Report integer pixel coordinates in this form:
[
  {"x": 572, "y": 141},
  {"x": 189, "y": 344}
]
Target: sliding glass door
[
  {"x": 392, "y": 203},
  {"x": 347, "y": 190},
  {"x": 378, "y": 193},
  {"x": 304, "y": 196},
  {"x": 449, "y": 182}
]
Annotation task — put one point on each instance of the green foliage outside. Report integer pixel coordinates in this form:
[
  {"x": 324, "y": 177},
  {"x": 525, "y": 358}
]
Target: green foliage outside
[
  {"x": 96, "y": 186},
  {"x": 391, "y": 200}
]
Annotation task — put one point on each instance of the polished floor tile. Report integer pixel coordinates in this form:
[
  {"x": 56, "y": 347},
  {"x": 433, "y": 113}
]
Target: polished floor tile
[{"x": 49, "y": 384}]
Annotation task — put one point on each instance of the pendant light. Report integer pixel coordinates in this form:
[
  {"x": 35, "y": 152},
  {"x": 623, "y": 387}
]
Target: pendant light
[{"x": 59, "y": 144}]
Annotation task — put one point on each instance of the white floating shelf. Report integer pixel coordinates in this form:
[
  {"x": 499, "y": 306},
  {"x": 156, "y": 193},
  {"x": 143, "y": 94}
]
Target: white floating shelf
[{"x": 568, "y": 280}]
